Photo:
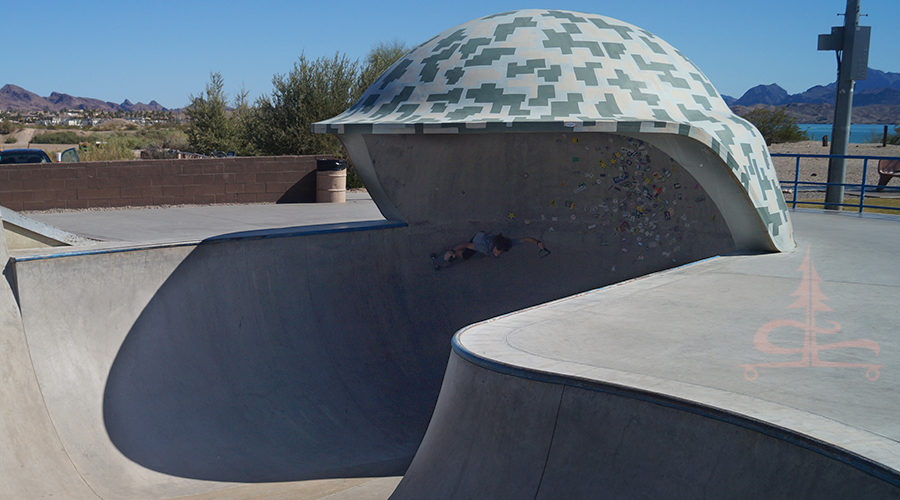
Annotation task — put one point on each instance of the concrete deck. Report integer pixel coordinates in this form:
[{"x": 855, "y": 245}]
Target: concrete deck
[
  {"x": 801, "y": 347},
  {"x": 194, "y": 223}
]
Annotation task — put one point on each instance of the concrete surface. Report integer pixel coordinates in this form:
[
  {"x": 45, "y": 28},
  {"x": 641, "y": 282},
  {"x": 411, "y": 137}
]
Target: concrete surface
[
  {"x": 200, "y": 351},
  {"x": 747, "y": 376},
  {"x": 195, "y": 223},
  {"x": 25, "y": 232},
  {"x": 280, "y": 360}
]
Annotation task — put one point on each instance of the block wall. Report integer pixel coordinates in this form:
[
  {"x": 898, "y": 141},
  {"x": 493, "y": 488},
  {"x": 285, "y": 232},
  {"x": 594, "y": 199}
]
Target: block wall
[{"x": 283, "y": 179}]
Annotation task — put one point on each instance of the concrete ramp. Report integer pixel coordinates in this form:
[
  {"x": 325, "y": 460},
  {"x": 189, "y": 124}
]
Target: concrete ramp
[
  {"x": 178, "y": 370},
  {"x": 523, "y": 435},
  {"x": 33, "y": 461}
]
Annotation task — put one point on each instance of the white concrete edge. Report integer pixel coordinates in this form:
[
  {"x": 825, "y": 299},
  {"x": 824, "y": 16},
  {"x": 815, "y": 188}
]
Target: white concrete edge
[
  {"x": 14, "y": 218},
  {"x": 487, "y": 341}
]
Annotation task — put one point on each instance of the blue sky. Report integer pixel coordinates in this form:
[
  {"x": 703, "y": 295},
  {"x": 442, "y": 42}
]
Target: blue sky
[{"x": 166, "y": 50}]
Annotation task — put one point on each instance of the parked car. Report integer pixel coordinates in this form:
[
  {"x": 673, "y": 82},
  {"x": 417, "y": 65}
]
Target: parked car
[
  {"x": 23, "y": 156},
  {"x": 69, "y": 156},
  {"x": 35, "y": 156}
]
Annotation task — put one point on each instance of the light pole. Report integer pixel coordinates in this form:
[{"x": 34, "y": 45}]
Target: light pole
[{"x": 851, "y": 44}]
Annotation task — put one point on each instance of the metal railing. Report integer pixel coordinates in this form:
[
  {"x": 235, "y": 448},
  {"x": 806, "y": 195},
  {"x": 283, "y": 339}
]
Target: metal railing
[{"x": 862, "y": 186}]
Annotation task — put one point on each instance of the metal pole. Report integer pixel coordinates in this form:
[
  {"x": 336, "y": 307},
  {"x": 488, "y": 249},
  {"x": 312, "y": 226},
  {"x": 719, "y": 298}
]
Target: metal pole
[{"x": 843, "y": 108}]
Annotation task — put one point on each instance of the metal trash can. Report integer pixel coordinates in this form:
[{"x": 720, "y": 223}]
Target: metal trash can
[{"x": 331, "y": 181}]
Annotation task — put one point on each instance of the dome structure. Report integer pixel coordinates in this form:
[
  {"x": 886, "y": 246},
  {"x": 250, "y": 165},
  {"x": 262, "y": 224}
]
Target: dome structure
[{"x": 550, "y": 71}]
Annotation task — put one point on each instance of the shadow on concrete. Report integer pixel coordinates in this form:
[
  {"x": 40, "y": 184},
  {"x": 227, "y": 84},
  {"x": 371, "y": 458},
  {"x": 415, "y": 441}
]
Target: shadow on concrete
[{"x": 262, "y": 360}]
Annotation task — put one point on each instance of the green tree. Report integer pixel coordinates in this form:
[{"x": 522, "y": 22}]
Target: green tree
[
  {"x": 776, "y": 126},
  {"x": 311, "y": 92},
  {"x": 377, "y": 61},
  {"x": 209, "y": 128},
  {"x": 242, "y": 120}
]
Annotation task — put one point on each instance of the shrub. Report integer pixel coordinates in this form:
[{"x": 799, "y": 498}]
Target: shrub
[
  {"x": 11, "y": 139},
  {"x": 776, "y": 126},
  {"x": 877, "y": 137},
  {"x": 895, "y": 137},
  {"x": 162, "y": 138},
  {"x": 311, "y": 92},
  {"x": 7, "y": 127},
  {"x": 61, "y": 137},
  {"x": 115, "y": 148},
  {"x": 354, "y": 181}
]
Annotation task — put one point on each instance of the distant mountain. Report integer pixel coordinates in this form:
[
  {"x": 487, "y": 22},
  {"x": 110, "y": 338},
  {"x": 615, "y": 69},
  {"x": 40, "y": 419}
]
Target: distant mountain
[
  {"x": 16, "y": 98},
  {"x": 875, "y": 100},
  {"x": 878, "y": 88},
  {"x": 764, "y": 94},
  {"x": 824, "y": 113},
  {"x": 869, "y": 97}
]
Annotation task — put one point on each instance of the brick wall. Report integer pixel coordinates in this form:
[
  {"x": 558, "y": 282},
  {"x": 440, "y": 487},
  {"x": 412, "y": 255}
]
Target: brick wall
[{"x": 283, "y": 179}]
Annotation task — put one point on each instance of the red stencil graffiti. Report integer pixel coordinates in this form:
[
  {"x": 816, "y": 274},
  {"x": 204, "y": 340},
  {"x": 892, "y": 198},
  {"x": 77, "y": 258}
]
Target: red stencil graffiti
[{"x": 809, "y": 297}]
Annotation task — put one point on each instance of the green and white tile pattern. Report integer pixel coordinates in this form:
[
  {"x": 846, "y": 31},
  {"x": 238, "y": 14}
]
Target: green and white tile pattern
[{"x": 548, "y": 70}]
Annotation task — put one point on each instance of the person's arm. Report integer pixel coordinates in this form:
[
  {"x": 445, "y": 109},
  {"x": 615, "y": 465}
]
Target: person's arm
[{"x": 528, "y": 239}]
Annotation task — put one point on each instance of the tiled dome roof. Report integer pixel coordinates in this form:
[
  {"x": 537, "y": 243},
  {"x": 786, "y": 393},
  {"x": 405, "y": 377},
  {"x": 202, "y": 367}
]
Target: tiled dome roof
[
  {"x": 550, "y": 70},
  {"x": 538, "y": 66}
]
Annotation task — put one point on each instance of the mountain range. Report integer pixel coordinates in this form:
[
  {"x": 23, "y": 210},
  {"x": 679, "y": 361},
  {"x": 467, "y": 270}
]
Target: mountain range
[
  {"x": 16, "y": 98},
  {"x": 875, "y": 100},
  {"x": 879, "y": 87}
]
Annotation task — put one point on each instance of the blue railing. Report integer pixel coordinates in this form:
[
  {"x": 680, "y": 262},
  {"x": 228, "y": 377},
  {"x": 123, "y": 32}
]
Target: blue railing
[{"x": 823, "y": 186}]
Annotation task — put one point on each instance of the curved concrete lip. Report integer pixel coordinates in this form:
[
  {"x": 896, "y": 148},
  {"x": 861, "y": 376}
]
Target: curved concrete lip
[{"x": 685, "y": 338}]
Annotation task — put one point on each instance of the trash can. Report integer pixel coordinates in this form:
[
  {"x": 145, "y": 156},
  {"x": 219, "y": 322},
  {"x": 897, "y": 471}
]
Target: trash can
[{"x": 331, "y": 181}]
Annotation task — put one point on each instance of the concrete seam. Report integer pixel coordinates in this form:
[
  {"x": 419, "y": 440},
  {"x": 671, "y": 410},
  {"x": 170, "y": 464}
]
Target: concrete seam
[{"x": 537, "y": 490}]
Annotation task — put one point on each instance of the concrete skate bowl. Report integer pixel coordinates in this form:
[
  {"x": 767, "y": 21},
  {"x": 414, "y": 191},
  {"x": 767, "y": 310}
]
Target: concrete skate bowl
[
  {"x": 319, "y": 352},
  {"x": 322, "y": 355}
]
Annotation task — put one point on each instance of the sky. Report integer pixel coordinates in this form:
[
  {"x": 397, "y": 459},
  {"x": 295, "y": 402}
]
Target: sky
[{"x": 166, "y": 50}]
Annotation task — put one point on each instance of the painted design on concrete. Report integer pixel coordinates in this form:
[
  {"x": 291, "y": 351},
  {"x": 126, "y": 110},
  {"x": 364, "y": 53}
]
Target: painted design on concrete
[
  {"x": 548, "y": 70},
  {"x": 810, "y": 297}
]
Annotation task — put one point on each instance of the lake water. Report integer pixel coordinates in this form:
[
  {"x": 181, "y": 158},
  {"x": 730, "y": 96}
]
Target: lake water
[{"x": 859, "y": 134}]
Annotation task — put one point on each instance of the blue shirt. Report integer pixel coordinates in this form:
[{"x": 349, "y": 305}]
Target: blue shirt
[{"x": 484, "y": 243}]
